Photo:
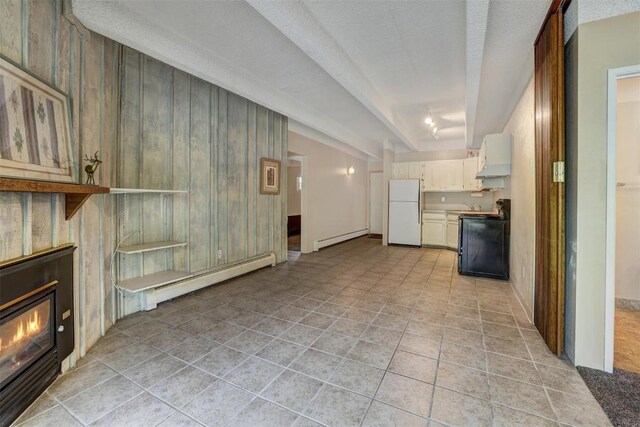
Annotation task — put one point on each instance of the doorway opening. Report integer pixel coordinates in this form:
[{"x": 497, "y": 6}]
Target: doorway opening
[
  {"x": 622, "y": 329},
  {"x": 294, "y": 204}
]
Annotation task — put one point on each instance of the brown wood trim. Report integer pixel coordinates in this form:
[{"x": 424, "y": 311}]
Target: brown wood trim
[
  {"x": 12, "y": 261},
  {"x": 73, "y": 202},
  {"x": 34, "y": 186},
  {"x": 555, "y": 5},
  {"x": 28, "y": 294},
  {"x": 75, "y": 194}
]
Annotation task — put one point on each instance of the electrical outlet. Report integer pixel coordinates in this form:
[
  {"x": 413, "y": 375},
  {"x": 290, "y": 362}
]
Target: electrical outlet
[
  {"x": 219, "y": 253},
  {"x": 443, "y": 199}
]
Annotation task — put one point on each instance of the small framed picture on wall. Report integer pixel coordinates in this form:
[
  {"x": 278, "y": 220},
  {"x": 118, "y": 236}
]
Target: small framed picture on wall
[{"x": 269, "y": 176}]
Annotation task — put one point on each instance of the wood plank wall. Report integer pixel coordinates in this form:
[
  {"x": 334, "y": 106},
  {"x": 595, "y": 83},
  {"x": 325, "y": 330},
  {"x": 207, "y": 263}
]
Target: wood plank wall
[
  {"x": 217, "y": 139},
  {"x": 155, "y": 127},
  {"x": 35, "y": 35}
]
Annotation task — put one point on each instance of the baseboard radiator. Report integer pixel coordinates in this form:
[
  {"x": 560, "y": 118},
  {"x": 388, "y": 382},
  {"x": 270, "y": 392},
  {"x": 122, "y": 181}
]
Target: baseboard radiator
[
  {"x": 153, "y": 297},
  {"x": 323, "y": 243}
]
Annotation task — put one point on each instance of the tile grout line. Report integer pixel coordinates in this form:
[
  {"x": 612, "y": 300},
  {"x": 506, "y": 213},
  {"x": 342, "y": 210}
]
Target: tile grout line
[{"x": 385, "y": 374}]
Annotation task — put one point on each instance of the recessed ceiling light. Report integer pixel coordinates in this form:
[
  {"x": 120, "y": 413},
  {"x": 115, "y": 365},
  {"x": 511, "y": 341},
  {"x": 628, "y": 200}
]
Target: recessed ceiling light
[{"x": 428, "y": 120}]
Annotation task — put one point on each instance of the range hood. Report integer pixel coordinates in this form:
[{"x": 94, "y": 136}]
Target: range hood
[
  {"x": 494, "y": 171},
  {"x": 495, "y": 156}
]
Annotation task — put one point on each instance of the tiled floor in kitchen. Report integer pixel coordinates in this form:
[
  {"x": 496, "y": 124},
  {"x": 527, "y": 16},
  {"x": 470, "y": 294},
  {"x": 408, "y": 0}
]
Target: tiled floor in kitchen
[{"x": 357, "y": 334}]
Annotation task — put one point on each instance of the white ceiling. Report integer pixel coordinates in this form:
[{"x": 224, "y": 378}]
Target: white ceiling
[{"x": 361, "y": 74}]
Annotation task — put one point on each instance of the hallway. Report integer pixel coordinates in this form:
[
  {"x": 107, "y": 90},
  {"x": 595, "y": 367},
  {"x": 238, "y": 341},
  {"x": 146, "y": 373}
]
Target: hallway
[{"x": 356, "y": 334}]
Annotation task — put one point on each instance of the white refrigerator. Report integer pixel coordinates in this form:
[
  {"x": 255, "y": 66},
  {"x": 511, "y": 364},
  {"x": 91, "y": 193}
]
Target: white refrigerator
[{"x": 405, "y": 212}]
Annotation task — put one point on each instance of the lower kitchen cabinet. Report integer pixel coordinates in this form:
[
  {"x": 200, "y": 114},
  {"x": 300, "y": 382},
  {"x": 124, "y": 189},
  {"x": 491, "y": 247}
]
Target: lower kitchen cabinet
[
  {"x": 434, "y": 226},
  {"x": 452, "y": 234},
  {"x": 440, "y": 229}
]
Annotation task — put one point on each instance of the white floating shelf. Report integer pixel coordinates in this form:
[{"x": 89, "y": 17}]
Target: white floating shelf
[
  {"x": 151, "y": 246},
  {"x": 145, "y": 190},
  {"x": 151, "y": 281}
]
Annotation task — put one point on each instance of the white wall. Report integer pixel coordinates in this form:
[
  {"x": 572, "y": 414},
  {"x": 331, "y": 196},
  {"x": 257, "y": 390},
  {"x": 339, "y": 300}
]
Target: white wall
[
  {"x": 293, "y": 195},
  {"x": 520, "y": 188},
  {"x": 628, "y": 197},
  {"x": 337, "y": 203},
  {"x": 583, "y": 11}
]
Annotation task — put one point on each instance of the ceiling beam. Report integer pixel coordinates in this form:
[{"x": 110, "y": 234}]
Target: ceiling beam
[
  {"x": 298, "y": 24},
  {"x": 477, "y": 16},
  {"x": 312, "y": 133}
]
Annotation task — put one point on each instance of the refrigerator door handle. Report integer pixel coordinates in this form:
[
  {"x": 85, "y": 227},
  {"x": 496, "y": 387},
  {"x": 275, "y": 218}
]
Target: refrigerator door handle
[{"x": 419, "y": 205}]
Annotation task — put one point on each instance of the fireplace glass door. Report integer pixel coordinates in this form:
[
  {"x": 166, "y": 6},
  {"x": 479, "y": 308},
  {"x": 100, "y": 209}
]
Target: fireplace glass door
[{"x": 25, "y": 335}]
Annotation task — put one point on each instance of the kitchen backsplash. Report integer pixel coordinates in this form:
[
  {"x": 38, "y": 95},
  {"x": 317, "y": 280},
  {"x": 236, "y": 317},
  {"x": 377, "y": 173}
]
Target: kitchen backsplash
[{"x": 457, "y": 201}]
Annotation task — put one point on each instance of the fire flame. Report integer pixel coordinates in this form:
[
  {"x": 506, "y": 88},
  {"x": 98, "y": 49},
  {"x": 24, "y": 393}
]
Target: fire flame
[{"x": 26, "y": 329}]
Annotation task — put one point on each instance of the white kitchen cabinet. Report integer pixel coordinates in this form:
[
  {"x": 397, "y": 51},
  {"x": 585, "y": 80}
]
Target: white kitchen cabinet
[
  {"x": 471, "y": 168},
  {"x": 415, "y": 170},
  {"x": 406, "y": 170},
  {"x": 444, "y": 175},
  {"x": 495, "y": 155},
  {"x": 453, "y": 175},
  {"x": 432, "y": 176},
  {"x": 434, "y": 226},
  {"x": 399, "y": 170},
  {"x": 452, "y": 231}
]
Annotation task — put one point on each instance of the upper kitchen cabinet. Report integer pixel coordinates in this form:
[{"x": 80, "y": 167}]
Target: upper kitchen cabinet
[
  {"x": 399, "y": 171},
  {"x": 443, "y": 175},
  {"x": 433, "y": 174},
  {"x": 416, "y": 170},
  {"x": 453, "y": 175},
  {"x": 471, "y": 168},
  {"x": 406, "y": 170},
  {"x": 495, "y": 156}
]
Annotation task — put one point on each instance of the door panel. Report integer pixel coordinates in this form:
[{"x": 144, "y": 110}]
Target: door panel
[
  {"x": 404, "y": 190},
  {"x": 452, "y": 234},
  {"x": 404, "y": 223},
  {"x": 550, "y": 195},
  {"x": 434, "y": 231}
]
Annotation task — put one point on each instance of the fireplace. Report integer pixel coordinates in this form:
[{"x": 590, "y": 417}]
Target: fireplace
[{"x": 36, "y": 326}]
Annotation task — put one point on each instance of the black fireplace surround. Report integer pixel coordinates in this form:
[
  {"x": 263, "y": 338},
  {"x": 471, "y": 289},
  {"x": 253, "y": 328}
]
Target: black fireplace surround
[{"x": 36, "y": 326}]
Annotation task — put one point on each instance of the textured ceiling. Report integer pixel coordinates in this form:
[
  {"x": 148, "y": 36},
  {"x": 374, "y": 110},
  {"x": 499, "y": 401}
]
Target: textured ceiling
[{"x": 359, "y": 74}]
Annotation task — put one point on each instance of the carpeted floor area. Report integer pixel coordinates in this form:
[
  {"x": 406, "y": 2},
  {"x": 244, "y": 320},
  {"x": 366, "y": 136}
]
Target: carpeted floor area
[{"x": 618, "y": 394}]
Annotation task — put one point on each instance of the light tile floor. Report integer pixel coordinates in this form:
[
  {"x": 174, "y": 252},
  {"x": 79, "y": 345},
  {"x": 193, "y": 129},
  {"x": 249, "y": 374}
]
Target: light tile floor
[{"x": 357, "y": 334}]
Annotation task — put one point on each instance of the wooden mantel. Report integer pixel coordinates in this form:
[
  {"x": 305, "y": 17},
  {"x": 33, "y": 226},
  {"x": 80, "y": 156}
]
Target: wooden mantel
[{"x": 75, "y": 194}]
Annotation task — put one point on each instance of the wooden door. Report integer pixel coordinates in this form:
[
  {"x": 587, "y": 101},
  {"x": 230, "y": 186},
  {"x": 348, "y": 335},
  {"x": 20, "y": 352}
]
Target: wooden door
[{"x": 550, "y": 193}]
